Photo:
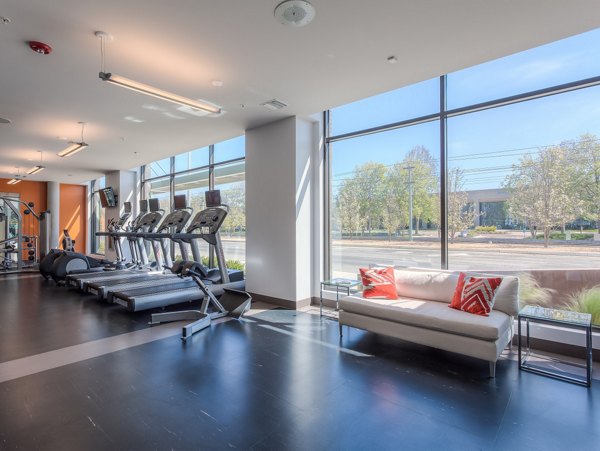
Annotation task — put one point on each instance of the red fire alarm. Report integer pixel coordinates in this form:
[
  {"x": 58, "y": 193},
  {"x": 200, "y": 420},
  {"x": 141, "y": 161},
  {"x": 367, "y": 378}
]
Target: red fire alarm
[{"x": 40, "y": 47}]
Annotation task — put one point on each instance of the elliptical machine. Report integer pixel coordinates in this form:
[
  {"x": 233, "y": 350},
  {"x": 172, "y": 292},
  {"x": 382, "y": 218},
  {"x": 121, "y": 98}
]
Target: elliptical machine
[{"x": 71, "y": 262}]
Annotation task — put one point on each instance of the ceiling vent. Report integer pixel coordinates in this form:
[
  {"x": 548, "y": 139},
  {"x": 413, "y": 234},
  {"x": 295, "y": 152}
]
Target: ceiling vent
[
  {"x": 274, "y": 104},
  {"x": 295, "y": 13}
]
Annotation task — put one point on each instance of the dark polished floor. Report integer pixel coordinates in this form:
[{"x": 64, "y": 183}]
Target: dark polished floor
[{"x": 277, "y": 381}]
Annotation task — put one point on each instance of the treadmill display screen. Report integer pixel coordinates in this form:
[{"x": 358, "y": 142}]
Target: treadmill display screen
[
  {"x": 213, "y": 198},
  {"x": 179, "y": 202},
  {"x": 154, "y": 204}
]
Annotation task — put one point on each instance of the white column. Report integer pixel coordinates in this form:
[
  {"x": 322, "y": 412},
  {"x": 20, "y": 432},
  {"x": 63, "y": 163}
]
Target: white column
[
  {"x": 53, "y": 204},
  {"x": 280, "y": 241}
]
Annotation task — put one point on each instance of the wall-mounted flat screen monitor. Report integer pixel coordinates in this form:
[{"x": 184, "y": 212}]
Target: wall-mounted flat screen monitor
[
  {"x": 213, "y": 198},
  {"x": 154, "y": 204},
  {"x": 179, "y": 202},
  {"x": 107, "y": 197}
]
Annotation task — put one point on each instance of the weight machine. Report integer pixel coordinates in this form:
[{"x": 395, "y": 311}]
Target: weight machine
[{"x": 16, "y": 248}]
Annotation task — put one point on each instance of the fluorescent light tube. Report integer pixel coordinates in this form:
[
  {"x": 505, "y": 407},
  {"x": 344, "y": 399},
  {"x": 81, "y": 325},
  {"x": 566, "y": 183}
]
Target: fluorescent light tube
[
  {"x": 158, "y": 93},
  {"x": 35, "y": 170},
  {"x": 13, "y": 181},
  {"x": 72, "y": 149}
]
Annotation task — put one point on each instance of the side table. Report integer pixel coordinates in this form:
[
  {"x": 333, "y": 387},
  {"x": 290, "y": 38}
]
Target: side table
[
  {"x": 562, "y": 318},
  {"x": 339, "y": 284}
]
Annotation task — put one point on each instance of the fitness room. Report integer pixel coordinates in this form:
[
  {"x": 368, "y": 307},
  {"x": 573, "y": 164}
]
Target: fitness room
[{"x": 299, "y": 225}]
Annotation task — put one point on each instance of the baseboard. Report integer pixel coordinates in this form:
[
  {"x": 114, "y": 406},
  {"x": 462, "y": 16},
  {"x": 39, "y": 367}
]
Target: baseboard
[{"x": 285, "y": 303}]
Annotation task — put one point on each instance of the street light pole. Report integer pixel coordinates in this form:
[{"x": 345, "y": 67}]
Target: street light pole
[{"x": 410, "y": 202}]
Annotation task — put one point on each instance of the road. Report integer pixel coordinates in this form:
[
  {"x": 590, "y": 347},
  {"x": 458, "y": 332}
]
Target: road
[{"x": 347, "y": 258}]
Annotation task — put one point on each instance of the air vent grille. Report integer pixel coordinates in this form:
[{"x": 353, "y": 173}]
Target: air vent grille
[{"x": 274, "y": 104}]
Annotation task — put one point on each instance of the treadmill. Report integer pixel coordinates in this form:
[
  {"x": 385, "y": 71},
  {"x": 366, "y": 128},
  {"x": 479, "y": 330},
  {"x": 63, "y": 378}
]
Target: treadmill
[
  {"x": 173, "y": 222},
  {"x": 147, "y": 222},
  {"x": 205, "y": 226}
]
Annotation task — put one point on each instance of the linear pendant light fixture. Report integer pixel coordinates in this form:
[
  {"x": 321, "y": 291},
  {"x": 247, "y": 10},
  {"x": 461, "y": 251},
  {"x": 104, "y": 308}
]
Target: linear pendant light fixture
[
  {"x": 147, "y": 89},
  {"x": 38, "y": 168},
  {"x": 74, "y": 147},
  {"x": 17, "y": 178}
]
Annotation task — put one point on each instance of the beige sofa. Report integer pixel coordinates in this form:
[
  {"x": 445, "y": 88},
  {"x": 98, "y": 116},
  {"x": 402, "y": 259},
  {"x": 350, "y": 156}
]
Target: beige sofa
[{"x": 421, "y": 315}]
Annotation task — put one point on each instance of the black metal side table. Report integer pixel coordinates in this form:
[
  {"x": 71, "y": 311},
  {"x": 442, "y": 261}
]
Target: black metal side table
[
  {"x": 562, "y": 318},
  {"x": 345, "y": 285}
]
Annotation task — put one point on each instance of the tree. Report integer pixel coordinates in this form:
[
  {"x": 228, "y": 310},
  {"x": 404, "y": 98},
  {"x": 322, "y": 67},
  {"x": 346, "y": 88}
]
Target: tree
[
  {"x": 542, "y": 190},
  {"x": 395, "y": 205},
  {"x": 425, "y": 183},
  {"x": 461, "y": 214},
  {"x": 369, "y": 179},
  {"x": 585, "y": 154},
  {"x": 348, "y": 205},
  {"x": 235, "y": 198}
]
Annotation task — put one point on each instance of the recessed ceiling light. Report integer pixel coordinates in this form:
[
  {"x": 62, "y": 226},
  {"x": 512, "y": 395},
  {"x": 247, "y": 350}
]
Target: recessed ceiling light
[
  {"x": 217, "y": 83},
  {"x": 392, "y": 59}
]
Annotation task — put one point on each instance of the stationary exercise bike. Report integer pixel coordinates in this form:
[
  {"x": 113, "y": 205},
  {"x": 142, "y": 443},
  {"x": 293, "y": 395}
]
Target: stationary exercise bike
[{"x": 233, "y": 303}]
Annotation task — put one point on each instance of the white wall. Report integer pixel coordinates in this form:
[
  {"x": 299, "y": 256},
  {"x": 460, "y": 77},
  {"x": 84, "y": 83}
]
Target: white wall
[
  {"x": 280, "y": 208},
  {"x": 124, "y": 183}
]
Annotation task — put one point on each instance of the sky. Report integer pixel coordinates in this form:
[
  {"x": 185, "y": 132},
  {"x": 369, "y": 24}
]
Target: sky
[{"x": 487, "y": 143}]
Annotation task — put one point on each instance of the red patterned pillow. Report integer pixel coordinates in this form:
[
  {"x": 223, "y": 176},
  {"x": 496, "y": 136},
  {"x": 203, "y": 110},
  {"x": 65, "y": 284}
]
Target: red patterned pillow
[
  {"x": 475, "y": 294},
  {"x": 379, "y": 283}
]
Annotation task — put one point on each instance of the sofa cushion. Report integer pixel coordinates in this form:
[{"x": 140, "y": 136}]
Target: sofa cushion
[
  {"x": 475, "y": 294},
  {"x": 430, "y": 315},
  {"x": 507, "y": 296},
  {"x": 430, "y": 285},
  {"x": 378, "y": 283}
]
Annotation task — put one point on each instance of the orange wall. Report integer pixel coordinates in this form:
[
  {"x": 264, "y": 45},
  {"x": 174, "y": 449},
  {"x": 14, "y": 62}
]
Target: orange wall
[
  {"x": 29, "y": 192},
  {"x": 73, "y": 214}
]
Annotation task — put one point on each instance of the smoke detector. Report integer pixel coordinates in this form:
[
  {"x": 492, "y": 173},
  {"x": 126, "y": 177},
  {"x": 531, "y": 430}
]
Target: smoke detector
[
  {"x": 40, "y": 47},
  {"x": 295, "y": 13}
]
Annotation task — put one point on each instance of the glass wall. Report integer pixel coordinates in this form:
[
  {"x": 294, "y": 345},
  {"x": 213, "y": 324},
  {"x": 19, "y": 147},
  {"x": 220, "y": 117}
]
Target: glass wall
[
  {"x": 378, "y": 182},
  {"x": 218, "y": 166},
  {"x": 519, "y": 138}
]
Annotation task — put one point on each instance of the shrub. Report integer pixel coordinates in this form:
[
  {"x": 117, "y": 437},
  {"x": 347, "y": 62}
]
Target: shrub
[
  {"x": 486, "y": 229},
  {"x": 531, "y": 293},
  {"x": 231, "y": 264},
  {"x": 587, "y": 301},
  {"x": 562, "y": 236}
]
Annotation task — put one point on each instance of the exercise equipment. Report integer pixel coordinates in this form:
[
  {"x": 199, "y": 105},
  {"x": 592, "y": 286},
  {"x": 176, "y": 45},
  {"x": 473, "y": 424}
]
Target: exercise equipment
[
  {"x": 173, "y": 222},
  {"x": 205, "y": 226},
  {"x": 15, "y": 246},
  {"x": 147, "y": 222},
  {"x": 232, "y": 303},
  {"x": 71, "y": 262}
]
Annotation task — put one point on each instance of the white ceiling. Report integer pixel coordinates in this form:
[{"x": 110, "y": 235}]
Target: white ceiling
[{"x": 181, "y": 45}]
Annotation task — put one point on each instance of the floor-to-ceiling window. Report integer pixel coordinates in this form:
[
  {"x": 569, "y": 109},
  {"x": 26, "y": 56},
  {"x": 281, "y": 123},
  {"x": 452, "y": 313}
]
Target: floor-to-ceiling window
[
  {"x": 517, "y": 142},
  {"x": 219, "y": 166}
]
